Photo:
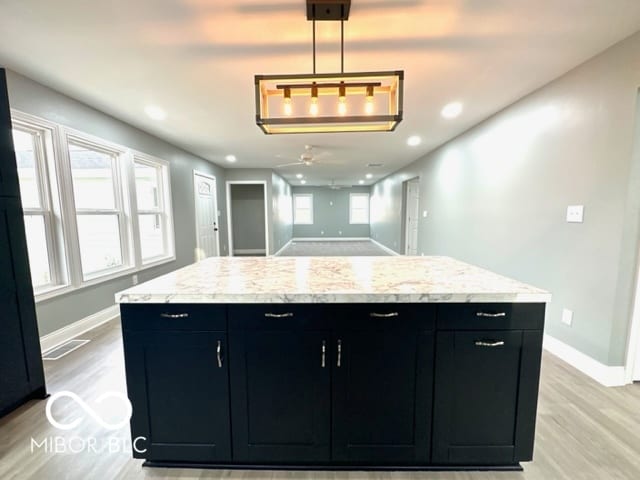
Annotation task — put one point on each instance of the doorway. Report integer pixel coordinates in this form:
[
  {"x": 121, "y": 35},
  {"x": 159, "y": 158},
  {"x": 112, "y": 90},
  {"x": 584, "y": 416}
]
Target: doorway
[
  {"x": 411, "y": 221},
  {"x": 206, "y": 208},
  {"x": 247, "y": 218}
]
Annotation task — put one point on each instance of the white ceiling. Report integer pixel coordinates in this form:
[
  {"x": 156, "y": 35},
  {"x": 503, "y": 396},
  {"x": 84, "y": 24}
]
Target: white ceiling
[{"x": 196, "y": 59}]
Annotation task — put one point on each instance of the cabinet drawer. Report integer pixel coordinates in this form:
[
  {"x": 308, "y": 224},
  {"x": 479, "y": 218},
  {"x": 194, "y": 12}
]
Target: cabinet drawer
[
  {"x": 173, "y": 316},
  {"x": 279, "y": 316},
  {"x": 491, "y": 316},
  {"x": 382, "y": 316}
]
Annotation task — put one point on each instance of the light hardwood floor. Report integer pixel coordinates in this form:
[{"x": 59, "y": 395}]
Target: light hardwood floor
[{"x": 584, "y": 430}]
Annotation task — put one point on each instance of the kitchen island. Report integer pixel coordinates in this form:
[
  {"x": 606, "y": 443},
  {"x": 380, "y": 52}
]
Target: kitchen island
[{"x": 333, "y": 363}]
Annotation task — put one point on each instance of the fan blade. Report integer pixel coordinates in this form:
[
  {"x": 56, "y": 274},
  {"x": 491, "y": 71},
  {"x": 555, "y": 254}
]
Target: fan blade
[{"x": 290, "y": 164}]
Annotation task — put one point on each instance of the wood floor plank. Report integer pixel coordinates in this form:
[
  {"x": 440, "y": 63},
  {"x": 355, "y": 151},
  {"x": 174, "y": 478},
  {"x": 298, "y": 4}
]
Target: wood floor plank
[{"x": 584, "y": 431}]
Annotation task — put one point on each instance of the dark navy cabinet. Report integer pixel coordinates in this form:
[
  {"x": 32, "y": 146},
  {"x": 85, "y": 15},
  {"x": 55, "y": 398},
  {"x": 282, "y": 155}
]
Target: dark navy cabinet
[
  {"x": 21, "y": 372},
  {"x": 382, "y": 384},
  {"x": 336, "y": 385},
  {"x": 179, "y": 384}
]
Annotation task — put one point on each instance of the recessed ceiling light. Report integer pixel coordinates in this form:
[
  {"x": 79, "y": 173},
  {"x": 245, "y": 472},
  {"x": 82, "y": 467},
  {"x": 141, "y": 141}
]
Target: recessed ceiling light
[
  {"x": 451, "y": 110},
  {"x": 414, "y": 141},
  {"x": 369, "y": 175},
  {"x": 360, "y": 182},
  {"x": 299, "y": 175},
  {"x": 303, "y": 182},
  {"x": 155, "y": 112},
  {"x": 230, "y": 158}
]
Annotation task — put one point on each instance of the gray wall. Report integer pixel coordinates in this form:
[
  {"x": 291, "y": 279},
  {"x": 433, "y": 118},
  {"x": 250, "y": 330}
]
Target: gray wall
[
  {"x": 33, "y": 98},
  {"x": 282, "y": 208},
  {"x": 247, "y": 213},
  {"x": 497, "y": 197},
  {"x": 330, "y": 213}
]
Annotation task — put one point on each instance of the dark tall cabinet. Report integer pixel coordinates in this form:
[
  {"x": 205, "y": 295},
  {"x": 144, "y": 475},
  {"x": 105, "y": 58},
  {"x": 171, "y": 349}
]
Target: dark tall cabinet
[{"x": 21, "y": 373}]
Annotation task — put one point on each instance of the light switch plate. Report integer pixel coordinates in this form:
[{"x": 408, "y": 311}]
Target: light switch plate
[
  {"x": 424, "y": 214},
  {"x": 575, "y": 213},
  {"x": 567, "y": 316}
]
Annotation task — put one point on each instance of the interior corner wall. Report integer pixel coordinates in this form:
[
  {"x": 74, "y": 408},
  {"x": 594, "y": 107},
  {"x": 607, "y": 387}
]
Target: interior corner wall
[
  {"x": 331, "y": 214},
  {"x": 36, "y": 99},
  {"x": 282, "y": 208},
  {"x": 497, "y": 197}
]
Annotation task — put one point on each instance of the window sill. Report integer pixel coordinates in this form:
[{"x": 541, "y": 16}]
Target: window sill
[{"x": 61, "y": 290}]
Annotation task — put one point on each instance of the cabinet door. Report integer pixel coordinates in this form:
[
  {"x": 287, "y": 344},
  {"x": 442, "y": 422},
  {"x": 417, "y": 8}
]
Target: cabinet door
[
  {"x": 382, "y": 388},
  {"x": 485, "y": 391},
  {"x": 179, "y": 389},
  {"x": 21, "y": 372},
  {"x": 280, "y": 389},
  {"x": 8, "y": 168}
]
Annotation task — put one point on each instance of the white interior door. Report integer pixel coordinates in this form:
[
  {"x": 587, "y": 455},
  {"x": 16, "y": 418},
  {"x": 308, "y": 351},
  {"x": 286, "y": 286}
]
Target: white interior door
[
  {"x": 411, "y": 233},
  {"x": 207, "y": 236}
]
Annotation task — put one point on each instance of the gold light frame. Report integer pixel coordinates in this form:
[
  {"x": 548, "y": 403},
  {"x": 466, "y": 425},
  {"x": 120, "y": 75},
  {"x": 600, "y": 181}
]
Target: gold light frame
[{"x": 387, "y": 87}]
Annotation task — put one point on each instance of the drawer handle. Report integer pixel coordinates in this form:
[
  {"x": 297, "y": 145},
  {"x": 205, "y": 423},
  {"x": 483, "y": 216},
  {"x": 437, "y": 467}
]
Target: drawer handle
[
  {"x": 489, "y": 343},
  {"x": 278, "y": 315},
  {"x": 383, "y": 315},
  {"x": 491, "y": 315},
  {"x": 339, "y": 362},
  {"x": 174, "y": 315},
  {"x": 324, "y": 353},
  {"x": 219, "y": 353}
]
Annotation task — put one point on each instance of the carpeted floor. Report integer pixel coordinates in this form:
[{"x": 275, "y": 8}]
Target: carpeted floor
[{"x": 354, "y": 248}]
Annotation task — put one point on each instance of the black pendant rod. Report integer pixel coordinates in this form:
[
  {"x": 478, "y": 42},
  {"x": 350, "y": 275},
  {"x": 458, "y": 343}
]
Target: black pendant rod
[
  {"x": 341, "y": 46},
  {"x": 314, "y": 47}
]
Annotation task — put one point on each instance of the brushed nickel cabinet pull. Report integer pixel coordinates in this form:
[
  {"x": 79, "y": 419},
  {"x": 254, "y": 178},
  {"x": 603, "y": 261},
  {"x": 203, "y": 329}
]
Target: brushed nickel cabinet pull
[
  {"x": 383, "y": 315},
  {"x": 489, "y": 343},
  {"x": 278, "y": 315},
  {"x": 174, "y": 315},
  {"x": 219, "y": 353},
  {"x": 338, "y": 363},
  {"x": 491, "y": 315},
  {"x": 324, "y": 352}
]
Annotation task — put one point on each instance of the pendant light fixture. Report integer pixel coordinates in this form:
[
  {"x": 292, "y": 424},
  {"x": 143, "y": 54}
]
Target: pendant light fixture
[{"x": 329, "y": 102}]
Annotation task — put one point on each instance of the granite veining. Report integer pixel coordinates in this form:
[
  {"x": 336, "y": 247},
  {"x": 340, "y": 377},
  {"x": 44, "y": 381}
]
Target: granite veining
[{"x": 398, "y": 279}]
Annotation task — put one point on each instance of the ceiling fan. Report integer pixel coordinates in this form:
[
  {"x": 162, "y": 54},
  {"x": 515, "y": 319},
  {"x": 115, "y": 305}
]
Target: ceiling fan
[{"x": 307, "y": 158}]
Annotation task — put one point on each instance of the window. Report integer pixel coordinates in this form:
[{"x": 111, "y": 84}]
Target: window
[
  {"x": 98, "y": 206},
  {"x": 358, "y": 208},
  {"x": 40, "y": 220},
  {"x": 303, "y": 209},
  {"x": 152, "y": 203}
]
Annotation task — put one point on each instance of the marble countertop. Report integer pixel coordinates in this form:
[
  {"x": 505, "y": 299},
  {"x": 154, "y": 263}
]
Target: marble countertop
[{"x": 331, "y": 280}]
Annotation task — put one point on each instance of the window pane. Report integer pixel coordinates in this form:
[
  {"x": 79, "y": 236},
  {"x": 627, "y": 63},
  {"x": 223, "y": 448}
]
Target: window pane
[
  {"x": 147, "y": 180},
  {"x": 359, "y": 201},
  {"x": 359, "y": 216},
  {"x": 151, "y": 237},
  {"x": 92, "y": 173},
  {"x": 38, "y": 251},
  {"x": 99, "y": 237},
  {"x": 303, "y": 202},
  {"x": 26, "y": 160},
  {"x": 303, "y": 216}
]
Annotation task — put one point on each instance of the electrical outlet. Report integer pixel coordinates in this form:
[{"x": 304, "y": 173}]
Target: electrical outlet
[
  {"x": 321, "y": 232},
  {"x": 424, "y": 214},
  {"x": 339, "y": 232},
  {"x": 567, "y": 316},
  {"x": 134, "y": 279},
  {"x": 575, "y": 213}
]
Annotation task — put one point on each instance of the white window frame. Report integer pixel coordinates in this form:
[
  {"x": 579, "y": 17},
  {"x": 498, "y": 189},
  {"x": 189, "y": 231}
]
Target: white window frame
[
  {"x": 121, "y": 208},
  {"x": 363, "y": 194},
  {"x": 63, "y": 242},
  {"x": 164, "y": 209},
  {"x": 295, "y": 209},
  {"x": 47, "y": 183}
]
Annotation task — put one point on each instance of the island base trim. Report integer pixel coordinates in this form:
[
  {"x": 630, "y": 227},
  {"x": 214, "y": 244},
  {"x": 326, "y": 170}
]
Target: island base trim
[{"x": 332, "y": 467}]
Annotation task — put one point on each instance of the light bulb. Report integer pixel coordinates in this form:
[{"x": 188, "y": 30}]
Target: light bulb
[
  {"x": 287, "y": 101},
  {"x": 368, "y": 106},
  {"x": 313, "y": 108},
  {"x": 342, "y": 106}
]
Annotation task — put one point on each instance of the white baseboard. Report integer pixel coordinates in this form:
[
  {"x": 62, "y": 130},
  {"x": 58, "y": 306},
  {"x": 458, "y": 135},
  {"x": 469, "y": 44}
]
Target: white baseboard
[
  {"x": 53, "y": 339},
  {"x": 248, "y": 251},
  {"x": 330, "y": 239},
  {"x": 386, "y": 249},
  {"x": 604, "y": 374},
  {"x": 283, "y": 247}
]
